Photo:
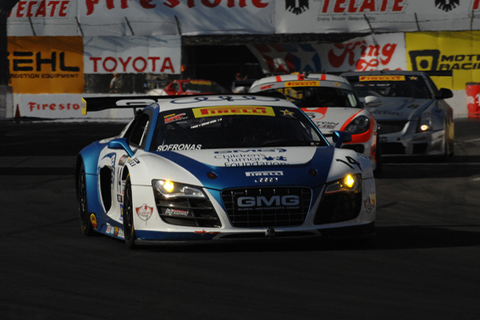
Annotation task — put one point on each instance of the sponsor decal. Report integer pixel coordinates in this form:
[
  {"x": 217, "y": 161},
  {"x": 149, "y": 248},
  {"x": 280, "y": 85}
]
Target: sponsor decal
[
  {"x": 264, "y": 202},
  {"x": 176, "y": 212},
  {"x": 311, "y": 83},
  {"x": 204, "y": 82},
  {"x": 382, "y": 78},
  {"x": 41, "y": 9},
  {"x": 369, "y": 203},
  {"x": 179, "y": 147},
  {"x": 263, "y": 173},
  {"x": 350, "y": 162},
  {"x": 133, "y": 161},
  {"x": 114, "y": 231},
  {"x": 175, "y": 117},
  {"x": 286, "y": 113},
  {"x": 123, "y": 160},
  {"x": 251, "y": 159},
  {"x": 144, "y": 212},
  {"x": 270, "y": 86},
  {"x": 234, "y": 110},
  {"x": 315, "y": 114},
  {"x": 93, "y": 220},
  {"x": 326, "y": 124}
]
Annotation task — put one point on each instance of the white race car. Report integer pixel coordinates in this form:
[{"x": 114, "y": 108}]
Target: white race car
[
  {"x": 332, "y": 104},
  {"x": 221, "y": 168}
]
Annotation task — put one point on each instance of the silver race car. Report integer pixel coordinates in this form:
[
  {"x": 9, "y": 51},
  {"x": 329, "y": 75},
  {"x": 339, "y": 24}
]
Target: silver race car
[{"x": 413, "y": 116}]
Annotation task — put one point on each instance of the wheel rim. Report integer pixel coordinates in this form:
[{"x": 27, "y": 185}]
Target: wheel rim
[
  {"x": 128, "y": 216},
  {"x": 82, "y": 200}
]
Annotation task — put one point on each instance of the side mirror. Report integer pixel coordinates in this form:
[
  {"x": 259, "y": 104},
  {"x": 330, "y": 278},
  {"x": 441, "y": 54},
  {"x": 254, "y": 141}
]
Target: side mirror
[
  {"x": 372, "y": 101},
  {"x": 340, "y": 137},
  {"x": 121, "y": 144},
  {"x": 444, "y": 93}
]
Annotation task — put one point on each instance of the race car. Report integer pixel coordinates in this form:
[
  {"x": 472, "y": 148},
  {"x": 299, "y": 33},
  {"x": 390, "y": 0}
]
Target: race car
[
  {"x": 189, "y": 87},
  {"x": 208, "y": 168},
  {"x": 414, "y": 118},
  {"x": 331, "y": 103}
]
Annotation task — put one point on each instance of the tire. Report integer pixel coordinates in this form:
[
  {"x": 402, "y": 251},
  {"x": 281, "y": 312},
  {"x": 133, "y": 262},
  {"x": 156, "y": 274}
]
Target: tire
[
  {"x": 379, "y": 165},
  {"x": 85, "y": 222},
  {"x": 128, "y": 225}
]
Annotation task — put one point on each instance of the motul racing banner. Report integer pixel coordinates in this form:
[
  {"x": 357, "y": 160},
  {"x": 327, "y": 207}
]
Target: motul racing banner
[
  {"x": 155, "y": 54},
  {"x": 366, "y": 53},
  {"x": 141, "y": 17}
]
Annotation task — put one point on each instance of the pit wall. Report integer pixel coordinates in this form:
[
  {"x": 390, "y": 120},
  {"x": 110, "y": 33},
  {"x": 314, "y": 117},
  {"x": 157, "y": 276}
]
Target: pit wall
[{"x": 68, "y": 107}]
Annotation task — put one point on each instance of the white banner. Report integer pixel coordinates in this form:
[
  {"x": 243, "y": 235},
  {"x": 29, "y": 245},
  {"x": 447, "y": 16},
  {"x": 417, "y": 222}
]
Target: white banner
[
  {"x": 141, "y": 17},
  {"x": 378, "y": 52},
  {"x": 374, "y": 16},
  {"x": 156, "y": 54}
]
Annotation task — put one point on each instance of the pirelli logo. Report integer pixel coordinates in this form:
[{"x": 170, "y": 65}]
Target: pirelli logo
[
  {"x": 382, "y": 78},
  {"x": 302, "y": 84},
  {"x": 233, "y": 110}
]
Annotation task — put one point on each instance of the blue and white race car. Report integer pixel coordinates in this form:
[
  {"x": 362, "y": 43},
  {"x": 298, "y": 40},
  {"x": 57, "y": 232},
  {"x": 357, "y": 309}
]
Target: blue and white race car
[{"x": 221, "y": 168}]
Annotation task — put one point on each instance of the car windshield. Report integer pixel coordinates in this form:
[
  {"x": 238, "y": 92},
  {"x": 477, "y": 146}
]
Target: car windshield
[
  {"x": 233, "y": 127},
  {"x": 318, "y": 97},
  {"x": 202, "y": 86},
  {"x": 405, "y": 87}
]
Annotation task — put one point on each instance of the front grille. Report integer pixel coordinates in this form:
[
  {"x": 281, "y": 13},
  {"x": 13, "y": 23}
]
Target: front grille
[
  {"x": 267, "y": 207},
  {"x": 390, "y": 126},
  {"x": 392, "y": 148}
]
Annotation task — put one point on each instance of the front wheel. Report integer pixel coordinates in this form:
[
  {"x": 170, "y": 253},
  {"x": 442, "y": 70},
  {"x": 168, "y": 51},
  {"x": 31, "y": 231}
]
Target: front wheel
[
  {"x": 128, "y": 225},
  {"x": 85, "y": 222}
]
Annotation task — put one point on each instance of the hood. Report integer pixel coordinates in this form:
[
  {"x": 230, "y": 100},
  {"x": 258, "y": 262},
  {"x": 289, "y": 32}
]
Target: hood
[
  {"x": 392, "y": 109},
  {"x": 331, "y": 119},
  {"x": 242, "y": 166}
]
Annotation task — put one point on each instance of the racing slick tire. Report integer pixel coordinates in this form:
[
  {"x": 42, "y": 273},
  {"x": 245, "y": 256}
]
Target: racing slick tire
[
  {"x": 128, "y": 225},
  {"x": 85, "y": 222},
  {"x": 379, "y": 164}
]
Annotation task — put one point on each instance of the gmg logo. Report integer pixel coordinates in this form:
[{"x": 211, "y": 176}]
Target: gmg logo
[{"x": 262, "y": 201}]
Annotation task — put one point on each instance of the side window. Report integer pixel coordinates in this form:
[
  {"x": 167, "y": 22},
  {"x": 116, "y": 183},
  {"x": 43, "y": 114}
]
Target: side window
[{"x": 138, "y": 133}]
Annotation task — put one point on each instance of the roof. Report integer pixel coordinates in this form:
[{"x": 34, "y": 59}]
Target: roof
[{"x": 305, "y": 80}]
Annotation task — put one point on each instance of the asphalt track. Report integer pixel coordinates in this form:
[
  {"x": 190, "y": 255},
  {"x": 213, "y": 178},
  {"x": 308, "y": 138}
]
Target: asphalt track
[{"x": 423, "y": 264}]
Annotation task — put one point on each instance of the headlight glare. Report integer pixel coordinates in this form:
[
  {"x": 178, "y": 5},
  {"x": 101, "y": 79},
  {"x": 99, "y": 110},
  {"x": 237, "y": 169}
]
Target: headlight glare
[
  {"x": 424, "y": 123},
  {"x": 169, "y": 189},
  {"x": 351, "y": 182}
]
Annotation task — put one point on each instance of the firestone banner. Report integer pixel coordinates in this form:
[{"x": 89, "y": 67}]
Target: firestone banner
[
  {"x": 141, "y": 17},
  {"x": 156, "y": 54},
  {"x": 366, "y": 53}
]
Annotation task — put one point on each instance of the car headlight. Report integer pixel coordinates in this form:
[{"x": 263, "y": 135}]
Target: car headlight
[
  {"x": 341, "y": 201},
  {"x": 358, "y": 125},
  {"x": 349, "y": 183},
  {"x": 425, "y": 122},
  {"x": 168, "y": 189}
]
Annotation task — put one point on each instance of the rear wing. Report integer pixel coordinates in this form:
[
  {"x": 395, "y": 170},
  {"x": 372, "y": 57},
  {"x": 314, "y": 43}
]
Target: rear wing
[{"x": 90, "y": 104}]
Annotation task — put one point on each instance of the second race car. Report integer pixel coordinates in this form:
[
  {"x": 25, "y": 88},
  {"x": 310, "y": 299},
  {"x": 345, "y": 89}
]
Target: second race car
[{"x": 332, "y": 104}]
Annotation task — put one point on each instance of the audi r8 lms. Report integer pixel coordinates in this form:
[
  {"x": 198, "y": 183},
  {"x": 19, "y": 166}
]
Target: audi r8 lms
[
  {"x": 414, "y": 118},
  {"x": 331, "y": 103},
  {"x": 221, "y": 168}
]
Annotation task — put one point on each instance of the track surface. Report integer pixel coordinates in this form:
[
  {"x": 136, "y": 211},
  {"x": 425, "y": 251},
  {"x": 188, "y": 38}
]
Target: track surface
[{"x": 423, "y": 264}]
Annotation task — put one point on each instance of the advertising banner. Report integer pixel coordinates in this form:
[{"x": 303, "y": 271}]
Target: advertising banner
[
  {"x": 141, "y": 18},
  {"x": 374, "y": 16},
  {"x": 62, "y": 106},
  {"x": 46, "y": 64},
  {"x": 446, "y": 51},
  {"x": 155, "y": 54},
  {"x": 366, "y": 53}
]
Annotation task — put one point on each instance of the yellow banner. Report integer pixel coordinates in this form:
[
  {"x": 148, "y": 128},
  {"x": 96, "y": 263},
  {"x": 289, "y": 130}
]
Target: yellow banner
[
  {"x": 46, "y": 64},
  {"x": 233, "y": 110},
  {"x": 458, "y": 52}
]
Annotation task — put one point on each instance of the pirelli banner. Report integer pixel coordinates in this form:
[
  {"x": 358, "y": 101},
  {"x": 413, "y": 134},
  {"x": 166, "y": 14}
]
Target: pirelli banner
[{"x": 46, "y": 64}]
